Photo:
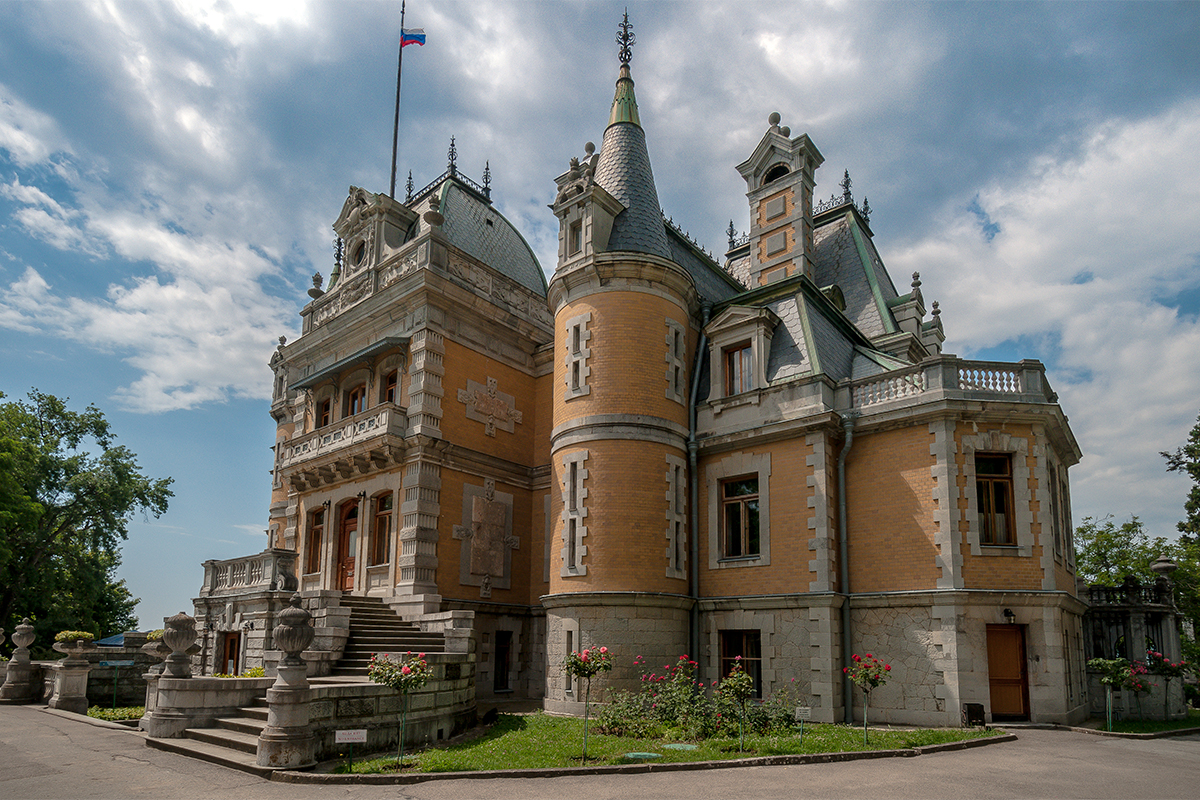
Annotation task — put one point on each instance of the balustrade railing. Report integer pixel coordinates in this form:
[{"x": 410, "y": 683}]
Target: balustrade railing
[
  {"x": 985, "y": 380},
  {"x": 383, "y": 419},
  {"x": 272, "y": 569}
]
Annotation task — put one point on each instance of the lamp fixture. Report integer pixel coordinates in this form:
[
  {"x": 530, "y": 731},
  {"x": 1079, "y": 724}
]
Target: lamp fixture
[{"x": 1009, "y": 616}]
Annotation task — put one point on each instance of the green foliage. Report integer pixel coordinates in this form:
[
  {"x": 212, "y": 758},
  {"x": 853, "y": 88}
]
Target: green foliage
[
  {"x": 538, "y": 741},
  {"x": 115, "y": 714},
  {"x": 67, "y": 494},
  {"x": 253, "y": 672},
  {"x": 155, "y": 635},
  {"x": 402, "y": 674},
  {"x": 71, "y": 636},
  {"x": 1186, "y": 459},
  {"x": 867, "y": 672}
]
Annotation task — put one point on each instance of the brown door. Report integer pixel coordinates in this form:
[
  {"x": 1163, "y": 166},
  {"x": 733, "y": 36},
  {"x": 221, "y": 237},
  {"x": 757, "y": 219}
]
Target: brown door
[
  {"x": 347, "y": 547},
  {"x": 1007, "y": 675},
  {"x": 232, "y": 648}
]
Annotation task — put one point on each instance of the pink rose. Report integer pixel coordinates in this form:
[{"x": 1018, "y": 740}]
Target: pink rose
[
  {"x": 405, "y": 670},
  {"x": 887, "y": 667},
  {"x": 869, "y": 655},
  {"x": 603, "y": 649}
]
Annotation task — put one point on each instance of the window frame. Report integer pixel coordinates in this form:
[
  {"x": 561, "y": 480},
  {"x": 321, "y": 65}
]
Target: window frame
[
  {"x": 985, "y": 501},
  {"x": 315, "y": 541},
  {"x": 379, "y": 550},
  {"x": 356, "y": 399},
  {"x": 738, "y": 361},
  {"x": 390, "y": 392},
  {"x": 735, "y": 642},
  {"x": 742, "y": 503}
]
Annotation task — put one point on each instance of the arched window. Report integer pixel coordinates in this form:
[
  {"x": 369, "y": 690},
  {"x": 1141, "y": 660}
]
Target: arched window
[
  {"x": 775, "y": 173},
  {"x": 391, "y": 387},
  {"x": 356, "y": 400}
]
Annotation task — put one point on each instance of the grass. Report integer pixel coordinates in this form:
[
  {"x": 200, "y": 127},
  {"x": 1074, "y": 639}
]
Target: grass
[
  {"x": 538, "y": 741},
  {"x": 1192, "y": 720},
  {"x": 114, "y": 714}
]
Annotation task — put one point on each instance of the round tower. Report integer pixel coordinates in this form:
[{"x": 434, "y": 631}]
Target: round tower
[{"x": 623, "y": 344}]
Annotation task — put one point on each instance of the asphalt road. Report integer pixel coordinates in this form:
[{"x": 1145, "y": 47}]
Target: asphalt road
[{"x": 44, "y": 756}]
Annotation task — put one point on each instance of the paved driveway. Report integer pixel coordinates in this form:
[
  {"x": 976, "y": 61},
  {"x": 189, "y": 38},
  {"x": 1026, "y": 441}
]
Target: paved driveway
[{"x": 46, "y": 757}]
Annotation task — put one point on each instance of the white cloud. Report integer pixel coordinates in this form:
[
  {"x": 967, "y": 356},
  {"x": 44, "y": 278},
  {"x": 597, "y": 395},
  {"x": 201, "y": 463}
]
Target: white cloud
[
  {"x": 29, "y": 136},
  {"x": 1085, "y": 249}
]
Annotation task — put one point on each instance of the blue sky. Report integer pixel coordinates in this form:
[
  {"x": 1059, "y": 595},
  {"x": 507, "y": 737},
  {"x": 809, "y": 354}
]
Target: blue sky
[{"x": 169, "y": 172}]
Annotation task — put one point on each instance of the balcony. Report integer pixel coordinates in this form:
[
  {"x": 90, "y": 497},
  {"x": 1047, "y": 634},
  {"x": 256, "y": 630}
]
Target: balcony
[
  {"x": 272, "y": 570},
  {"x": 950, "y": 377},
  {"x": 357, "y": 445}
]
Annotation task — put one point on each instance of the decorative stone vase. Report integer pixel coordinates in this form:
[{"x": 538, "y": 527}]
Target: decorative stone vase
[
  {"x": 74, "y": 650},
  {"x": 287, "y": 741},
  {"x": 159, "y": 650},
  {"x": 294, "y": 633},
  {"x": 20, "y": 683},
  {"x": 179, "y": 634},
  {"x": 70, "y": 676},
  {"x": 22, "y": 637}
]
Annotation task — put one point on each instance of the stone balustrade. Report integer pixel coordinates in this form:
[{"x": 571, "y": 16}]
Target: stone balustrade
[
  {"x": 272, "y": 570},
  {"x": 950, "y": 377},
  {"x": 386, "y": 420}
]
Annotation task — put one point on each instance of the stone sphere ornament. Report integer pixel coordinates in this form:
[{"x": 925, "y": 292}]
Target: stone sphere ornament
[{"x": 294, "y": 633}]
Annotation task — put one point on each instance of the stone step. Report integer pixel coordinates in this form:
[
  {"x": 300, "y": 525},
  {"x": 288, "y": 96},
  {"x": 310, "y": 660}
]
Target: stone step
[
  {"x": 212, "y": 753},
  {"x": 234, "y": 740},
  {"x": 250, "y": 725},
  {"x": 255, "y": 712}
]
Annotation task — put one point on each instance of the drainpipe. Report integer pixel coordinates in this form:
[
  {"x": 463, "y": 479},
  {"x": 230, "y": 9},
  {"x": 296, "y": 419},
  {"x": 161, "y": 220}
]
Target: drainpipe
[
  {"x": 844, "y": 566},
  {"x": 693, "y": 448}
]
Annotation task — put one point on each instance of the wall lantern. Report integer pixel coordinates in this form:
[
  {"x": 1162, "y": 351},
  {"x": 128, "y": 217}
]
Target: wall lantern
[{"x": 1009, "y": 616}]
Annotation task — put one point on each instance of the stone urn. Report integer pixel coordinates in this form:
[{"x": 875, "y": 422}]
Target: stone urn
[
  {"x": 22, "y": 637},
  {"x": 294, "y": 633},
  {"x": 75, "y": 650},
  {"x": 287, "y": 741},
  {"x": 179, "y": 634},
  {"x": 21, "y": 682}
]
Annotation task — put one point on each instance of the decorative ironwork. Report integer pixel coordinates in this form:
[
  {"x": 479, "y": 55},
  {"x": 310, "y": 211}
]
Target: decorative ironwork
[
  {"x": 339, "y": 252},
  {"x": 484, "y": 193},
  {"x": 487, "y": 179},
  {"x": 626, "y": 39},
  {"x": 408, "y": 187},
  {"x": 847, "y": 195},
  {"x": 865, "y": 211},
  {"x": 452, "y": 158}
]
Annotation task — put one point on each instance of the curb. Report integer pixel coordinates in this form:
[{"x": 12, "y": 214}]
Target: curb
[
  {"x": 1098, "y": 732},
  {"x": 290, "y": 776},
  {"x": 98, "y": 723}
]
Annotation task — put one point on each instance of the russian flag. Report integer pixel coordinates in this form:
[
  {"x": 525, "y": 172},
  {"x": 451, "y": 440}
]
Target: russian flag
[{"x": 412, "y": 36}]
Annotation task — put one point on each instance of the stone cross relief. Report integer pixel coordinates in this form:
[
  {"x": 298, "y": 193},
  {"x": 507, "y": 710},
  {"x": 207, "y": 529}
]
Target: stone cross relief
[
  {"x": 493, "y": 408},
  {"x": 488, "y": 538}
]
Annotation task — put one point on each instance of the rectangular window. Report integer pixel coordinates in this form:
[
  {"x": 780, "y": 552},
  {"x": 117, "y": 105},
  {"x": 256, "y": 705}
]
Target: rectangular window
[
  {"x": 570, "y": 649},
  {"x": 577, "y": 370},
  {"x": 356, "y": 402},
  {"x": 324, "y": 409},
  {"x": 575, "y": 238},
  {"x": 381, "y": 533},
  {"x": 1055, "y": 512},
  {"x": 391, "y": 383},
  {"x": 994, "y": 493},
  {"x": 739, "y": 507},
  {"x": 738, "y": 370},
  {"x": 676, "y": 356},
  {"x": 316, "y": 532},
  {"x": 744, "y": 648},
  {"x": 574, "y": 513}
]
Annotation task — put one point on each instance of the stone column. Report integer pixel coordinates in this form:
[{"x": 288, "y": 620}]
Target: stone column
[
  {"x": 21, "y": 685},
  {"x": 287, "y": 740},
  {"x": 70, "y": 676}
]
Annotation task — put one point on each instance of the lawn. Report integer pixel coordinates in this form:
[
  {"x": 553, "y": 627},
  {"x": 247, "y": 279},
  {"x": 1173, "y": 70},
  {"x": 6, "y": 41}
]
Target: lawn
[
  {"x": 1192, "y": 720},
  {"x": 538, "y": 741}
]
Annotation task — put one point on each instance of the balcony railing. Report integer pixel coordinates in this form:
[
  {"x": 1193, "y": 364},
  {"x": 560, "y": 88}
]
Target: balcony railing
[
  {"x": 270, "y": 570},
  {"x": 1024, "y": 381},
  {"x": 380, "y": 421}
]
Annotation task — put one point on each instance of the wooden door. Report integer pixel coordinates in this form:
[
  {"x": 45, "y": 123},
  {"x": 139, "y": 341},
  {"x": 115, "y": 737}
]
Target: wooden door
[
  {"x": 347, "y": 547},
  {"x": 231, "y": 650},
  {"x": 1007, "y": 674}
]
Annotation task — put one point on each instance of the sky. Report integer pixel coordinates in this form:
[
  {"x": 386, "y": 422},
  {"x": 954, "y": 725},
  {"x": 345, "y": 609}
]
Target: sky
[{"x": 169, "y": 172}]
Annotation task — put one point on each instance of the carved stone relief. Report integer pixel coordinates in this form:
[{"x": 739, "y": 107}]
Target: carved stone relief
[
  {"x": 487, "y": 538},
  {"x": 493, "y": 408}
]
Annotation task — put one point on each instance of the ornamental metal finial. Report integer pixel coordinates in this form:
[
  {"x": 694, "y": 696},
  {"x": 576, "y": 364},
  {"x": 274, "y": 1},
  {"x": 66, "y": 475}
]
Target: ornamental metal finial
[
  {"x": 452, "y": 155},
  {"x": 487, "y": 179},
  {"x": 845, "y": 184},
  {"x": 626, "y": 39},
  {"x": 408, "y": 187},
  {"x": 732, "y": 232},
  {"x": 866, "y": 211},
  {"x": 339, "y": 251}
]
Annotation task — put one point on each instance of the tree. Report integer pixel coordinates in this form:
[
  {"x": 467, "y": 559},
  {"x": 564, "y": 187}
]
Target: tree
[
  {"x": 1187, "y": 459},
  {"x": 67, "y": 495}
]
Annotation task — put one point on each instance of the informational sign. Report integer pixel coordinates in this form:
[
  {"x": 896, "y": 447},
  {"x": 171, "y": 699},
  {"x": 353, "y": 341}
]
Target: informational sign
[
  {"x": 803, "y": 713},
  {"x": 116, "y": 663},
  {"x": 358, "y": 736}
]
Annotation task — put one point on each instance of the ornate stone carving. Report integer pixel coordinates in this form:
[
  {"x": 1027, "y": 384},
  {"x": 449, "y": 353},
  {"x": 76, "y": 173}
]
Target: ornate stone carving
[
  {"x": 488, "y": 542},
  {"x": 179, "y": 634},
  {"x": 397, "y": 270},
  {"x": 294, "y": 633},
  {"x": 488, "y": 405}
]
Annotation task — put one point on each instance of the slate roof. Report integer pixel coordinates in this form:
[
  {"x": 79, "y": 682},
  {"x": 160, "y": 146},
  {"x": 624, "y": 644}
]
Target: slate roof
[
  {"x": 499, "y": 244},
  {"x": 863, "y": 280},
  {"x": 711, "y": 282},
  {"x": 624, "y": 172},
  {"x": 789, "y": 355}
]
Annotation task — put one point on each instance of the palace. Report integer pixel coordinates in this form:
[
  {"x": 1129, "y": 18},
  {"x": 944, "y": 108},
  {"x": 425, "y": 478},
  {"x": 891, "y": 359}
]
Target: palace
[{"x": 768, "y": 456}]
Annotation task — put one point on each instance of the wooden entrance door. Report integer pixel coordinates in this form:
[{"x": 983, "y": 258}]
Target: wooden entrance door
[
  {"x": 347, "y": 547},
  {"x": 231, "y": 650},
  {"x": 1007, "y": 675}
]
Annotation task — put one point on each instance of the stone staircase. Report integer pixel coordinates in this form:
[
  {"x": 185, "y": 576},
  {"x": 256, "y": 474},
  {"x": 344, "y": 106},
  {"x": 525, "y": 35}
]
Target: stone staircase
[
  {"x": 375, "y": 628},
  {"x": 232, "y": 743}
]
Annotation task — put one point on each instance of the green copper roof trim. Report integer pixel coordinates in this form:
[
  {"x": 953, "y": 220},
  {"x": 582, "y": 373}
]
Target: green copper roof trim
[
  {"x": 869, "y": 267},
  {"x": 624, "y": 106},
  {"x": 814, "y": 358}
]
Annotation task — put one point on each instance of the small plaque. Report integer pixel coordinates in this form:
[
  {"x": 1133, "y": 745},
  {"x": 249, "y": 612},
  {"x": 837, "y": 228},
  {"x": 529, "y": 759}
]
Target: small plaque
[
  {"x": 358, "y": 736},
  {"x": 116, "y": 663},
  {"x": 803, "y": 712}
]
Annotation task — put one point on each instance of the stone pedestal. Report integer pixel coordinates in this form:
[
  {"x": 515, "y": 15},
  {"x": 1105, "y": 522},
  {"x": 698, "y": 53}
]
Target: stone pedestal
[
  {"x": 70, "y": 677},
  {"x": 287, "y": 741},
  {"x": 22, "y": 680}
]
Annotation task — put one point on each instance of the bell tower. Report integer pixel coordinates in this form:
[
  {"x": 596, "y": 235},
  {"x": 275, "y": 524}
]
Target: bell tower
[{"x": 779, "y": 179}]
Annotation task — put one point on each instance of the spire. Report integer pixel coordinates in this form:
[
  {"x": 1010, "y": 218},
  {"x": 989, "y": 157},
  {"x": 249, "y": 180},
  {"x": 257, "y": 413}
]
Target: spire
[{"x": 624, "y": 166}]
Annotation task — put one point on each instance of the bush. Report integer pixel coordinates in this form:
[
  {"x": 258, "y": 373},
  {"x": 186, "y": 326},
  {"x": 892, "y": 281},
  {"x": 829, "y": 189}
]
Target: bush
[
  {"x": 253, "y": 672},
  {"x": 71, "y": 636},
  {"x": 155, "y": 635},
  {"x": 115, "y": 714}
]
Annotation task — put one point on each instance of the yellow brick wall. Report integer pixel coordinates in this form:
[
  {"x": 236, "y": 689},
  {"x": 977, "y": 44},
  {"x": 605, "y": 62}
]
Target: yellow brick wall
[
  {"x": 890, "y": 511},
  {"x": 628, "y": 357},
  {"x": 989, "y": 571},
  {"x": 627, "y": 504},
  {"x": 463, "y": 363},
  {"x": 789, "y": 204},
  {"x": 788, "y": 571}
]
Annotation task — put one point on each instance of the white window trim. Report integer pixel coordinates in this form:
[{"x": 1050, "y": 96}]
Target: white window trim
[
  {"x": 736, "y": 325},
  {"x": 577, "y": 326},
  {"x": 732, "y": 466},
  {"x": 578, "y": 514},
  {"x": 676, "y": 361}
]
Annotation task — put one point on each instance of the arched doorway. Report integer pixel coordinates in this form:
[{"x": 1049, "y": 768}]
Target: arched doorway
[{"x": 347, "y": 546}]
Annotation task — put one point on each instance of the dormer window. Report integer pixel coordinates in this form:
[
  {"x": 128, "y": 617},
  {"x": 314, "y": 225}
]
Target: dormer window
[
  {"x": 739, "y": 369},
  {"x": 741, "y": 346},
  {"x": 575, "y": 238},
  {"x": 775, "y": 173}
]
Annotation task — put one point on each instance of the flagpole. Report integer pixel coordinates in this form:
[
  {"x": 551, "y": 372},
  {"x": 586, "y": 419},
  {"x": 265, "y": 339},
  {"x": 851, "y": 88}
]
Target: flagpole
[{"x": 396, "y": 121}]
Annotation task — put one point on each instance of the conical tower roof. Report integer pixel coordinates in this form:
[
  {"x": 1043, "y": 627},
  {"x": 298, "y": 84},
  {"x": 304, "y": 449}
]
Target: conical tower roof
[{"x": 624, "y": 168}]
